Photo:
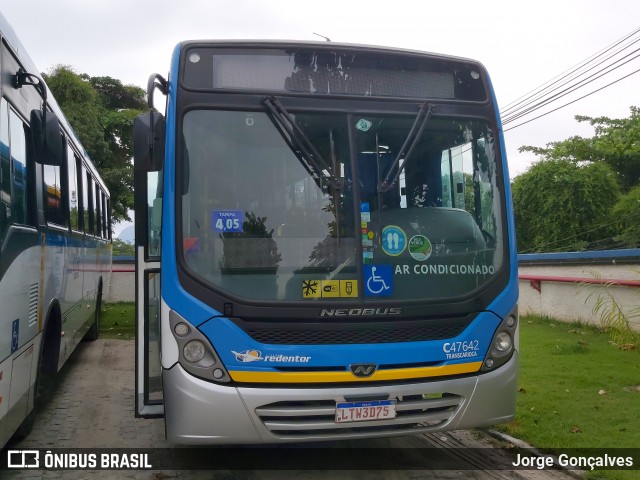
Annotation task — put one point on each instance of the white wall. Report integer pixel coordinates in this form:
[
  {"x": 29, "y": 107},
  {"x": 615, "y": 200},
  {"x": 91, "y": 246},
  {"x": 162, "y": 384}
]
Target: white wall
[
  {"x": 572, "y": 301},
  {"x": 123, "y": 284}
]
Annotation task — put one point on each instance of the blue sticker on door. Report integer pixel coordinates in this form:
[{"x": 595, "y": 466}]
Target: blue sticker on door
[
  {"x": 394, "y": 240},
  {"x": 15, "y": 334},
  {"x": 378, "y": 280}
]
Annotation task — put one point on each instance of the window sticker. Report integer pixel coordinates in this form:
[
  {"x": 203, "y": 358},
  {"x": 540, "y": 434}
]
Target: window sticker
[
  {"x": 363, "y": 125},
  {"x": 15, "y": 334},
  {"x": 227, "y": 221},
  {"x": 420, "y": 248},
  {"x": 378, "y": 280},
  {"x": 329, "y": 288},
  {"x": 394, "y": 240},
  {"x": 367, "y": 235}
]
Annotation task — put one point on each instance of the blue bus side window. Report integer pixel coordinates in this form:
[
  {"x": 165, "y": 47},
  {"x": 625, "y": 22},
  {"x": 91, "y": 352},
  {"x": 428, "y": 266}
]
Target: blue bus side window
[
  {"x": 5, "y": 171},
  {"x": 19, "y": 168}
]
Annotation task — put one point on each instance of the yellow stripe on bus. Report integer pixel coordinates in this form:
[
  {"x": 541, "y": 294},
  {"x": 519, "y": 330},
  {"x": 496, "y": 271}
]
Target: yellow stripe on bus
[{"x": 337, "y": 377}]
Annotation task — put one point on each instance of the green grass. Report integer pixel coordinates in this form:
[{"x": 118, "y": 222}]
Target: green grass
[
  {"x": 576, "y": 390},
  {"x": 117, "y": 320}
]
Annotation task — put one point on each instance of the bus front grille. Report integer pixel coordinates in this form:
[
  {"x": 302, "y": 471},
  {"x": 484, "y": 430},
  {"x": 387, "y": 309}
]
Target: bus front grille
[
  {"x": 340, "y": 333},
  {"x": 316, "y": 419}
]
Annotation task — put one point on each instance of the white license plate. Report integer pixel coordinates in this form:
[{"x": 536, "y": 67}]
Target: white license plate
[{"x": 365, "y": 411}]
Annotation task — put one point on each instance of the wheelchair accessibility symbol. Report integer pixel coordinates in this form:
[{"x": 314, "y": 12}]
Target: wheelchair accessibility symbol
[
  {"x": 378, "y": 280},
  {"x": 15, "y": 334}
]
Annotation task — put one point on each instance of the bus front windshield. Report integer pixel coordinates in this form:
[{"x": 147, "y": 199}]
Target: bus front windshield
[{"x": 334, "y": 209}]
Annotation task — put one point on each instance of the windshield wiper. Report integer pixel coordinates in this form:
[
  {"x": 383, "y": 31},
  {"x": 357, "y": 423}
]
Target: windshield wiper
[
  {"x": 295, "y": 137},
  {"x": 426, "y": 109}
]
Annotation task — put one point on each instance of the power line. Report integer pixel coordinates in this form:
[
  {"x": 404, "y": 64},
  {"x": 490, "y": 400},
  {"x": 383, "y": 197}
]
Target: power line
[
  {"x": 544, "y": 95},
  {"x": 573, "y": 101},
  {"x": 585, "y": 81},
  {"x": 568, "y": 72}
]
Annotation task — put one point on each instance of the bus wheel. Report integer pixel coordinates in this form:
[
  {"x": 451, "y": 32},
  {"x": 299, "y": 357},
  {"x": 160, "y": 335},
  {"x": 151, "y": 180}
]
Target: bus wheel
[{"x": 92, "y": 333}]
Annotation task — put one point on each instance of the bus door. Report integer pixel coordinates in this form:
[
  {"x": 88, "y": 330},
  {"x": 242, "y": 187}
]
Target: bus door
[{"x": 148, "y": 209}]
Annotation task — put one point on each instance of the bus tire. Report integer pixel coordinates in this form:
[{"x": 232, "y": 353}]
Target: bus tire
[
  {"x": 26, "y": 426},
  {"x": 43, "y": 391},
  {"x": 94, "y": 331}
]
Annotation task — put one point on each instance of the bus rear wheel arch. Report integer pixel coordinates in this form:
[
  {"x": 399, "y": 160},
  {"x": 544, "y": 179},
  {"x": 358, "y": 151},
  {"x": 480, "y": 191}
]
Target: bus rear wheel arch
[{"x": 94, "y": 331}]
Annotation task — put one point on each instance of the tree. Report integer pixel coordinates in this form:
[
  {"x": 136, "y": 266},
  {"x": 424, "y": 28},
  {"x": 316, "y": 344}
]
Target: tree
[
  {"x": 122, "y": 248},
  {"x": 564, "y": 205},
  {"x": 100, "y": 110},
  {"x": 627, "y": 213},
  {"x": 616, "y": 143}
]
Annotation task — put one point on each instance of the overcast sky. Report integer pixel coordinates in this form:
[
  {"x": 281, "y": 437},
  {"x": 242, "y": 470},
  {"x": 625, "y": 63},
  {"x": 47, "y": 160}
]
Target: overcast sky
[{"x": 522, "y": 44}]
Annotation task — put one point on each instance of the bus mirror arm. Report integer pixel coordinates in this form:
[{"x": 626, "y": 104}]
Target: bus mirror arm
[
  {"x": 47, "y": 142},
  {"x": 156, "y": 81},
  {"x": 22, "y": 77}
]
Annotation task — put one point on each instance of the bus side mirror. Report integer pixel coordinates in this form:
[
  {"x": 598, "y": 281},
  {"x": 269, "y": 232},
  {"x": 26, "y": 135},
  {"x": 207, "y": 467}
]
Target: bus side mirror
[
  {"x": 148, "y": 141},
  {"x": 47, "y": 141}
]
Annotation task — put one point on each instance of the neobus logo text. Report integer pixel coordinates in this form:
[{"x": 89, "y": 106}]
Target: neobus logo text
[{"x": 359, "y": 312}]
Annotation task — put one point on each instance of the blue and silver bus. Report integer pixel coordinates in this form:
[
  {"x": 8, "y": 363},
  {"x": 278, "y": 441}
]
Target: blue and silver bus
[
  {"x": 55, "y": 239},
  {"x": 325, "y": 245}
]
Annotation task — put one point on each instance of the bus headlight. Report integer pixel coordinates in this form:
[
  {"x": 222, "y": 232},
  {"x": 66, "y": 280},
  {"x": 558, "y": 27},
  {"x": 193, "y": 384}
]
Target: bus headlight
[
  {"x": 197, "y": 355},
  {"x": 502, "y": 344},
  {"x": 503, "y": 341},
  {"x": 193, "y": 351}
]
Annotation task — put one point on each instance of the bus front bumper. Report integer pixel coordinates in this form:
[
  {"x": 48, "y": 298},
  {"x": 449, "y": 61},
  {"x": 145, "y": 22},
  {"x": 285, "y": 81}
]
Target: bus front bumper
[{"x": 202, "y": 413}]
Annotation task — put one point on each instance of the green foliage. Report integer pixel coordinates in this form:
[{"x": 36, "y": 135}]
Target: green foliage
[
  {"x": 615, "y": 321},
  {"x": 122, "y": 248},
  {"x": 620, "y": 323},
  {"x": 100, "y": 110},
  {"x": 563, "y": 205},
  {"x": 82, "y": 108},
  {"x": 575, "y": 391},
  {"x": 615, "y": 143},
  {"x": 568, "y": 201},
  {"x": 574, "y": 149},
  {"x": 627, "y": 213}
]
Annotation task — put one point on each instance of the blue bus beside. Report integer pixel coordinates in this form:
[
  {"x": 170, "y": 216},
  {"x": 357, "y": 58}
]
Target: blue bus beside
[
  {"x": 325, "y": 245},
  {"x": 55, "y": 239}
]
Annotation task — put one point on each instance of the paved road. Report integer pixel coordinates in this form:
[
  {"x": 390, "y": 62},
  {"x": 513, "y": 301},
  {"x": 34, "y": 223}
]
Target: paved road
[{"x": 93, "y": 408}]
